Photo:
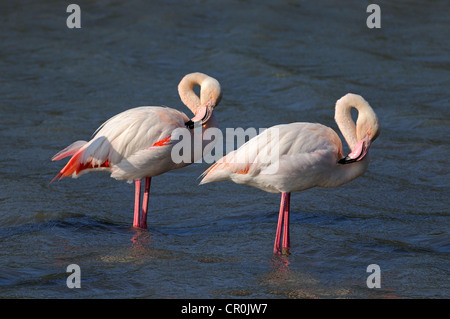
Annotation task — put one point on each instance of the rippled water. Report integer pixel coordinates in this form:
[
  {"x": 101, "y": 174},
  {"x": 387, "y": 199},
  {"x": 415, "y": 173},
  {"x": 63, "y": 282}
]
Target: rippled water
[{"x": 277, "y": 62}]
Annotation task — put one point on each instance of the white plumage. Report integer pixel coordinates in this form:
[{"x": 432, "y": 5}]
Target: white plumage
[
  {"x": 293, "y": 157},
  {"x": 137, "y": 143}
]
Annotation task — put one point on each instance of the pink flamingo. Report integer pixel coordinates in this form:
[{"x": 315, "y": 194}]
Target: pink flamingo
[
  {"x": 137, "y": 143},
  {"x": 293, "y": 157}
]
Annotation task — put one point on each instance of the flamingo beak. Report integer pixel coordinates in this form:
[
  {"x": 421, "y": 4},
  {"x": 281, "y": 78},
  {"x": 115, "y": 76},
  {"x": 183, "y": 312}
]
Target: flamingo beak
[
  {"x": 209, "y": 112},
  {"x": 358, "y": 153},
  {"x": 203, "y": 114}
]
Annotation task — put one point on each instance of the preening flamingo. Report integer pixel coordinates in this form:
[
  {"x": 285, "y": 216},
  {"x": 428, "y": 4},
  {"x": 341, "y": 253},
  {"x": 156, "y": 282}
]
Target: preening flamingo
[
  {"x": 137, "y": 143},
  {"x": 293, "y": 157}
]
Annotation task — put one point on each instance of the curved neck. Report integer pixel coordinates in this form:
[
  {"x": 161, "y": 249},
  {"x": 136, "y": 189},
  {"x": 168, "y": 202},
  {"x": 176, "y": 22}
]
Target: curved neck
[
  {"x": 343, "y": 116},
  {"x": 207, "y": 86}
]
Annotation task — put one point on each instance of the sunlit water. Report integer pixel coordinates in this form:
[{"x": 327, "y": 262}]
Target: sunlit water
[{"x": 277, "y": 62}]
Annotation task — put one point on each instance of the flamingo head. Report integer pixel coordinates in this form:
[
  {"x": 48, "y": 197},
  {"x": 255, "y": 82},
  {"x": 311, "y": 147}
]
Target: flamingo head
[
  {"x": 358, "y": 152},
  {"x": 210, "y": 97},
  {"x": 367, "y": 130}
]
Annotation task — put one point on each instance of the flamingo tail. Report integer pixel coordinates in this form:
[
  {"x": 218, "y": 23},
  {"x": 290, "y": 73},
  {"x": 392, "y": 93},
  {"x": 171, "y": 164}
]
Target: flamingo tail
[
  {"x": 69, "y": 150},
  {"x": 75, "y": 165}
]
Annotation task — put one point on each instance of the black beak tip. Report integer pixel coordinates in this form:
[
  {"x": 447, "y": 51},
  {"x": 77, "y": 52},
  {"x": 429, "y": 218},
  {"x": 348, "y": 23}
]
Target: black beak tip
[
  {"x": 189, "y": 124},
  {"x": 346, "y": 160}
]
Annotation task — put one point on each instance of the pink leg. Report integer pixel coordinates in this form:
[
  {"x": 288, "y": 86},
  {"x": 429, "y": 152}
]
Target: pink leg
[
  {"x": 137, "y": 202},
  {"x": 276, "y": 247},
  {"x": 143, "y": 224},
  {"x": 286, "y": 238}
]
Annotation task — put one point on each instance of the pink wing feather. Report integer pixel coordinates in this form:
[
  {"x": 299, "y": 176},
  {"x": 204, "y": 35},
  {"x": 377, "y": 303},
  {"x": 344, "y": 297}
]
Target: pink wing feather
[{"x": 121, "y": 137}]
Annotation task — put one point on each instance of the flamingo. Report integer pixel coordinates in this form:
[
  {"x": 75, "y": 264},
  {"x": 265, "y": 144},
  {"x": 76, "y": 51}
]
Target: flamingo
[
  {"x": 294, "y": 157},
  {"x": 137, "y": 143}
]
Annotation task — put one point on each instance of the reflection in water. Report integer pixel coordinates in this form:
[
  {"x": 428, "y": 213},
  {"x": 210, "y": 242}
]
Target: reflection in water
[
  {"x": 141, "y": 243},
  {"x": 280, "y": 265},
  {"x": 141, "y": 238},
  {"x": 144, "y": 246},
  {"x": 287, "y": 283}
]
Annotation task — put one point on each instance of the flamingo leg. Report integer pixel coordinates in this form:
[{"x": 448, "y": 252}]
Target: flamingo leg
[
  {"x": 282, "y": 245},
  {"x": 143, "y": 223},
  {"x": 276, "y": 247},
  {"x": 137, "y": 202},
  {"x": 286, "y": 237}
]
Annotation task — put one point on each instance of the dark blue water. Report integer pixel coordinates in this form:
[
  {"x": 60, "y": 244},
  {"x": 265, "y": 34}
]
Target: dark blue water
[{"x": 277, "y": 62}]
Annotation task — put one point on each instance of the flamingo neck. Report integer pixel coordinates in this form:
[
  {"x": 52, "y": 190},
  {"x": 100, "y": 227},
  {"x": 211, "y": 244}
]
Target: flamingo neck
[
  {"x": 207, "y": 86},
  {"x": 341, "y": 174},
  {"x": 344, "y": 120}
]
